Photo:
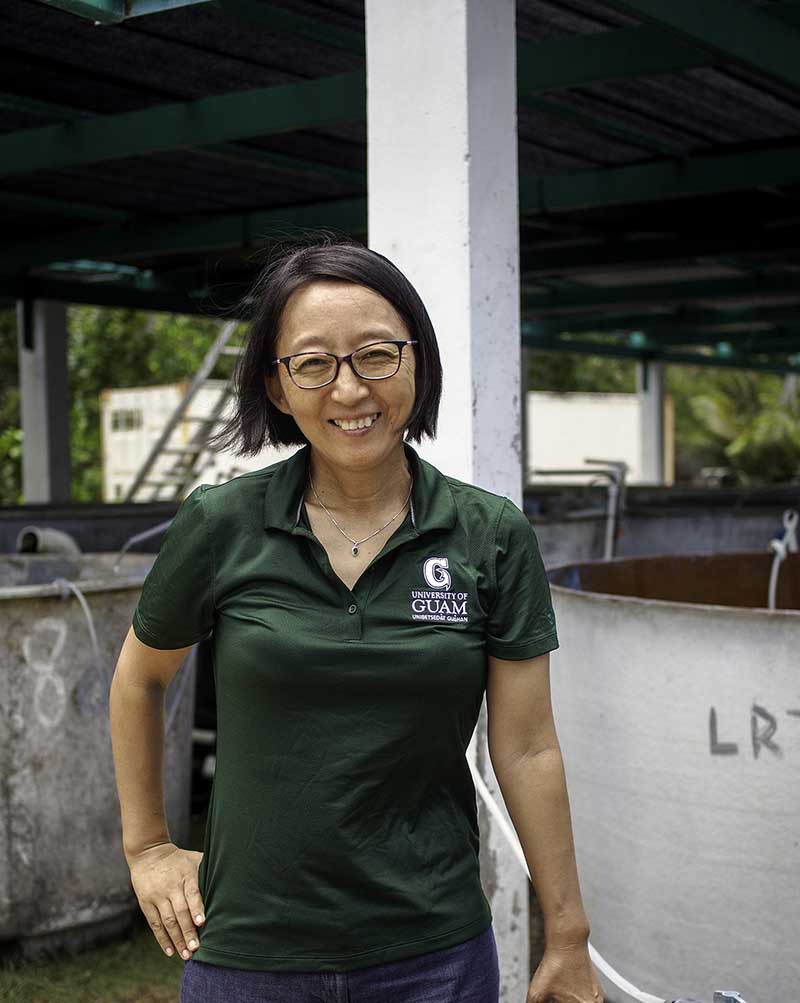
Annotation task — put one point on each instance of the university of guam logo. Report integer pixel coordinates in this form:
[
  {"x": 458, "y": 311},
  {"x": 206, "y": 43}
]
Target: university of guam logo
[
  {"x": 438, "y": 603},
  {"x": 436, "y": 574}
]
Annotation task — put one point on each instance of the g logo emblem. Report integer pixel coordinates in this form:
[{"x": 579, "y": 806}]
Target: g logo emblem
[{"x": 435, "y": 573}]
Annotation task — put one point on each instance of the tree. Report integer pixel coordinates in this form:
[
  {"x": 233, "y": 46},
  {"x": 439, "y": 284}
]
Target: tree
[
  {"x": 745, "y": 420},
  {"x": 107, "y": 347},
  {"x": 10, "y": 420}
]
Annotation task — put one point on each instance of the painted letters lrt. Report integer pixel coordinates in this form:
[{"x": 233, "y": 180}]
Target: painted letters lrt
[{"x": 763, "y": 726}]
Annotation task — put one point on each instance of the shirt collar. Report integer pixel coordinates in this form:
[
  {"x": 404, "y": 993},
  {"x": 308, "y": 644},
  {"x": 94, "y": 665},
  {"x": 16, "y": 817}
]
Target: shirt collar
[{"x": 432, "y": 502}]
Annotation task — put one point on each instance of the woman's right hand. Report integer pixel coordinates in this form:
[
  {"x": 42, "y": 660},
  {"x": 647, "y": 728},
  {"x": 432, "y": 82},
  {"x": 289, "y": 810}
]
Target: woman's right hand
[{"x": 164, "y": 878}]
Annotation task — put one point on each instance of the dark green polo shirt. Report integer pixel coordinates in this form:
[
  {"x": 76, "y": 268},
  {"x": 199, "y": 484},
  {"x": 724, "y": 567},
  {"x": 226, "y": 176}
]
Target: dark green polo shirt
[{"x": 342, "y": 828}]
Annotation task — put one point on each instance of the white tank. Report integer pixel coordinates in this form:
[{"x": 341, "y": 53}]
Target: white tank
[
  {"x": 64, "y": 882},
  {"x": 676, "y": 697}
]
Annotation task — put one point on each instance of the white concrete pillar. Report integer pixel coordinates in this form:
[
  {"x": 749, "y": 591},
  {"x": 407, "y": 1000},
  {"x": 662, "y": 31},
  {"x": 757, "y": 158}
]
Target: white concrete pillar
[
  {"x": 525, "y": 366},
  {"x": 44, "y": 400},
  {"x": 650, "y": 388},
  {"x": 443, "y": 205}
]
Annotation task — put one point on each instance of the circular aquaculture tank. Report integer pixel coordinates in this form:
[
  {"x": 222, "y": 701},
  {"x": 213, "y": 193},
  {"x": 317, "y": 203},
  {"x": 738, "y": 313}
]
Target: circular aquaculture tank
[
  {"x": 676, "y": 697},
  {"x": 64, "y": 882}
]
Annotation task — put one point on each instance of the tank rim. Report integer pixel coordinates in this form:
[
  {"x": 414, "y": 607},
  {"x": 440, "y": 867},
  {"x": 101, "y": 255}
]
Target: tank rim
[{"x": 590, "y": 595}]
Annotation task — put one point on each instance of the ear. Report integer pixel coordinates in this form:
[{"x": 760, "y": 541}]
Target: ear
[{"x": 272, "y": 384}]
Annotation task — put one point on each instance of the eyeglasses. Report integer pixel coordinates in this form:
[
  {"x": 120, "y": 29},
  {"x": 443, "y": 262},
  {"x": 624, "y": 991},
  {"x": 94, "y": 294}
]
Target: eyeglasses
[{"x": 376, "y": 361}]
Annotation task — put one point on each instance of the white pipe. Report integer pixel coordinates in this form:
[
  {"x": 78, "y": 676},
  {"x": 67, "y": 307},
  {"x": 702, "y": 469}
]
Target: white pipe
[
  {"x": 782, "y": 548},
  {"x": 597, "y": 959}
]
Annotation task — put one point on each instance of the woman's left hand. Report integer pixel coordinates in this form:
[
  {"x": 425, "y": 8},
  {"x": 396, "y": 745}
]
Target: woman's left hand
[{"x": 565, "y": 975}]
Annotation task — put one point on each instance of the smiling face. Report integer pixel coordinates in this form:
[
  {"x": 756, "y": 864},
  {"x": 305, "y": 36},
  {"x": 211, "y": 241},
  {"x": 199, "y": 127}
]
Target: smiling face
[{"x": 340, "y": 317}]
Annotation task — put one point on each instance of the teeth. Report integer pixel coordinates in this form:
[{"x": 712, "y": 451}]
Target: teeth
[{"x": 361, "y": 423}]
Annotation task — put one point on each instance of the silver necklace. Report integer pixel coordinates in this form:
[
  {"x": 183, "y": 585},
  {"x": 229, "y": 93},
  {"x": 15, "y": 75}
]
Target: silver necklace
[{"x": 336, "y": 524}]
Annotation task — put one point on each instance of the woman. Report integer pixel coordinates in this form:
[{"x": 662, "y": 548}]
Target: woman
[{"x": 361, "y": 602}]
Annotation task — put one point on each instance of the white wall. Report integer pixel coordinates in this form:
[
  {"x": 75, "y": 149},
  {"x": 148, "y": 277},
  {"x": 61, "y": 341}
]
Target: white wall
[{"x": 565, "y": 428}]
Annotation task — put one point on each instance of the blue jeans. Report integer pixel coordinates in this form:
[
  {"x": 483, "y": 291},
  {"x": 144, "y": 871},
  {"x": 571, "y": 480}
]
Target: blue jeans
[{"x": 466, "y": 973}]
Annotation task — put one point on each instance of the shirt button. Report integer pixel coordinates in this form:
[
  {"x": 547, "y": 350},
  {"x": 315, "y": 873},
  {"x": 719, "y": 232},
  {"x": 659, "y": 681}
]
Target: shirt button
[{"x": 352, "y": 609}]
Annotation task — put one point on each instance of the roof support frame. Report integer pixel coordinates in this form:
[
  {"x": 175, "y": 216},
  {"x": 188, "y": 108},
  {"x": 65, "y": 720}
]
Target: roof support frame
[
  {"x": 61, "y": 207},
  {"x": 537, "y": 196},
  {"x": 99, "y": 11},
  {"x": 115, "y": 11},
  {"x": 239, "y": 152},
  {"x": 240, "y": 115},
  {"x": 695, "y": 320},
  {"x": 207, "y": 232},
  {"x": 671, "y": 358},
  {"x": 188, "y": 301},
  {"x": 289, "y": 22},
  {"x": 116, "y": 294},
  {"x": 573, "y": 301},
  {"x": 659, "y": 180},
  {"x": 786, "y": 341},
  {"x": 689, "y": 248},
  {"x": 558, "y": 64},
  {"x": 734, "y": 31}
]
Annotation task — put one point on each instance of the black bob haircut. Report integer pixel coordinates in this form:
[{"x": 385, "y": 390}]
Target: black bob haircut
[{"x": 255, "y": 421}]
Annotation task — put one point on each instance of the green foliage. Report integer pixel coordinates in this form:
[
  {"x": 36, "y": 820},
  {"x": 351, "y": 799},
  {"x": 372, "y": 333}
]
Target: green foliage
[
  {"x": 565, "y": 372},
  {"x": 107, "y": 348},
  {"x": 110, "y": 348},
  {"x": 10, "y": 421},
  {"x": 133, "y": 970},
  {"x": 746, "y": 421}
]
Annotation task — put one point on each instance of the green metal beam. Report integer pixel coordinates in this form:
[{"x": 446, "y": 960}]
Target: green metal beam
[
  {"x": 742, "y": 342},
  {"x": 736, "y": 32},
  {"x": 46, "y": 109},
  {"x": 253, "y": 157},
  {"x": 672, "y": 358},
  {"x": 659, "y": 181},
  {"x": 115, "y": 11},
  {"x": 538, "y": 259},
  {"x": 582, "y": 60},
  {"x": 260, "y": 112},
  {"x": 277, "y": 19},
  {"x": 138, "y": 8},
  {"x": 288, "y": 107},
  {"x": 622, "y": 54},
  {"x": 662, "y": 294},
  {"x": 20, "y": 202},
  {"x": 573, "y": 61},
  {"x": 701, "y": 321},
  {"x": 233, "y": 152},
  {"x": 234, "y": 230},
  {"x": 283, "y": 21},
  {"x": 114, "y": 294},
  {"x": 100, "y": 11},
  {"x": 746, "y": 341},
  {"x": 208, "y": 302},
  {"x": 552, "y": 194},
  {"x": 601, "y": 124}
]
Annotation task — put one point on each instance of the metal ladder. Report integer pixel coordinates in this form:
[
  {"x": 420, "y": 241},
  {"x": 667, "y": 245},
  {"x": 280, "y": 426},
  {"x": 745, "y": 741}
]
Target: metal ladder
[{"x": 186, "y": 466}]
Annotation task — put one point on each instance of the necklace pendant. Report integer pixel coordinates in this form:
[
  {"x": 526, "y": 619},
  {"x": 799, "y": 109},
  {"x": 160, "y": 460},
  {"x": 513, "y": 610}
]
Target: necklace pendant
[{"x": 355, "y": 551}]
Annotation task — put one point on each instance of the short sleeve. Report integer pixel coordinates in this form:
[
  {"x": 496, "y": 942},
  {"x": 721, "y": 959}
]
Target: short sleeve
[
  {"x": 176, "y": 606},
  {"x": 521, "y": 623}
]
